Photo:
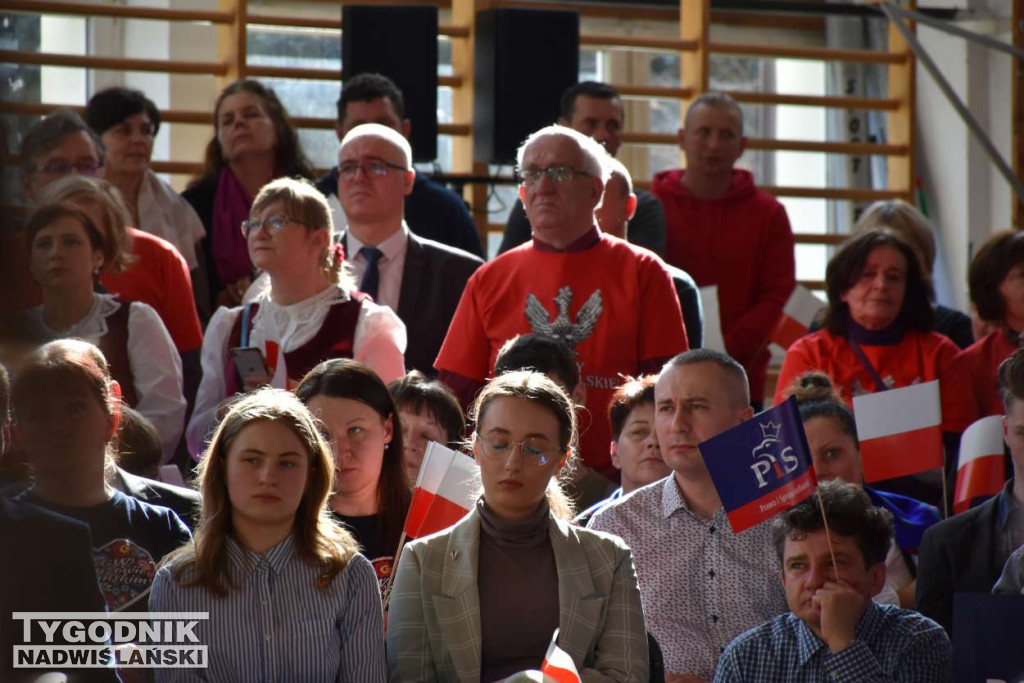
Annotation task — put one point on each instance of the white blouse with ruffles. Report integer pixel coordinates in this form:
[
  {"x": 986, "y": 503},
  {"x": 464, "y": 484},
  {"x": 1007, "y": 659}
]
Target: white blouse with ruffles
[
  {"x": 152, "y": 357},
  {"x": 379, "y": 342}
]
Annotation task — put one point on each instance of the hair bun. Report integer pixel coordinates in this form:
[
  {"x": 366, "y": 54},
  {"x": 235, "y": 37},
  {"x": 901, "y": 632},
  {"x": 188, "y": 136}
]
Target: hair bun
[{"x": 812, "y": 386}]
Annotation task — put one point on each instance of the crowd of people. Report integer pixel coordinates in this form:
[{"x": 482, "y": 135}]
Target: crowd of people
[{"x": 287, "y": 347}]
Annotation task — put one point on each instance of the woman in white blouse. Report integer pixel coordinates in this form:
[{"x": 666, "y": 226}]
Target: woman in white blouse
[
  {"x": 67, "y": 253},
  {"x": 310, "y": 313}
]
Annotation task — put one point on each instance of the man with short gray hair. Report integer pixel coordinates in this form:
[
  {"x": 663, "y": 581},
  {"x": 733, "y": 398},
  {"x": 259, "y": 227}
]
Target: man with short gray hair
[{"x": 611, "y": 302}]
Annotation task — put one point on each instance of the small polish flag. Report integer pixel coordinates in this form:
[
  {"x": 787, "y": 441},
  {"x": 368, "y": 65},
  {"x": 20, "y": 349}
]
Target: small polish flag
[
  {"x": 797, "y": 316},
  {"x": 900, "y": 431},
  {"x": 558, "y": 665},
  {"x": 981, "y": 472},
  {"x": 446, "y": 490}
]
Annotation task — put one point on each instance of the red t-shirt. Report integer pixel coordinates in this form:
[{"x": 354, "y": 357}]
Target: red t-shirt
[
  {"x": 980, "y": 365},
  {"x": 742, "y": 243},
  {"x": 617, "y": 298},
  {"x": 919, "y": 357},
  {"x": 159, "y": 277}
]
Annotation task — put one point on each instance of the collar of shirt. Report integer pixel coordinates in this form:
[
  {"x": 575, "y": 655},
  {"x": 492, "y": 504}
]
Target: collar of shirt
[
  {"x": 672, "y": 500},
  {"x": 391, "y": 247},
  {"x": 809, "y": 644},
  {"x": 91, "y": 326},
  {"x": 276, "y": 558},
  {"x": 586, "y": 241}
]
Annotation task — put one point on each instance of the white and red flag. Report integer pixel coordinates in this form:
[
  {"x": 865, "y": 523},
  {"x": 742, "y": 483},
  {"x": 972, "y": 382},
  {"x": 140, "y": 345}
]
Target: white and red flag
[
  {"x": 981, "y": 472},
  {"x": 558, "y": 665},
  {"x": 446, "y": 490},
  {"x": 900, "y": 431},
  {"x": 797, "y": 316}
]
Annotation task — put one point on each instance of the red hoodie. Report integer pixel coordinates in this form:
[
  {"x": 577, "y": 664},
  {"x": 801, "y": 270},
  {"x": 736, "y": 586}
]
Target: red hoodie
[{"x": 741, "y": 242}]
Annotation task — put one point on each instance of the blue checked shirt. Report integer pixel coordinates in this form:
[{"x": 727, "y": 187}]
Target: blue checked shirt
[
  {"x": 276, "y": 626},
  {"x": 892, "y": 644}
]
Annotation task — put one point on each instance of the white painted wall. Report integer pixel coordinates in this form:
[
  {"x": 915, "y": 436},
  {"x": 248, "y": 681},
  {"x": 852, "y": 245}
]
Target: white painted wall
[{"x": 968, "y": 198}]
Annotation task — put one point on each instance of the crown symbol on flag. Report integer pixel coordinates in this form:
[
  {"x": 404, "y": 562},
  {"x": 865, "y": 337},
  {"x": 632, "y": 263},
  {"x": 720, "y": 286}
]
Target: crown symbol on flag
[{"x": 770, "y": 430}]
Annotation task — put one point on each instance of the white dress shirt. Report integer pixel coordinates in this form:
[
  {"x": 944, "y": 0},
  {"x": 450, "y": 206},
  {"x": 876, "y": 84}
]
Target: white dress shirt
[
  {"x": 379, "y": 342},
  {"x": 165, "y": 213},
  {"x": 152, "y": 357},
  {"x": 389, "y": 266}
]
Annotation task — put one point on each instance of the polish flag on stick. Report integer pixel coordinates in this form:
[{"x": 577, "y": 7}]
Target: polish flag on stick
[
  {"x": 981, "y": 472},
  {"x": 558, "y": 665},
  {"x": 447, "y": 487},
  {"x": 797, "y": 316},
  {"x": 900, "y": 431},
  {"x": 446, "y": 490}
]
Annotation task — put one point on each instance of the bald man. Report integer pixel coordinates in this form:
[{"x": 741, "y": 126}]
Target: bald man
[
  {"x": 420, "y": 279},
  {"x": 701, "y": 584}
]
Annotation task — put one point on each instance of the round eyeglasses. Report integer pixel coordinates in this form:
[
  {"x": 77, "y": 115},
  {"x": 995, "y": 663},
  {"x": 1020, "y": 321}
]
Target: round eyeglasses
[
  {"x": 374, "y": 169},
  {"x": 273, "y": 224},
  {"x": 498, "y": 447},
  {"x": 557, "y": 174}
]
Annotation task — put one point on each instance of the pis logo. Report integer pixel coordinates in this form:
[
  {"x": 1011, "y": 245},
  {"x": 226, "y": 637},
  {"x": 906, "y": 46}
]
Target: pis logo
[{"x": 771, "y": 455}]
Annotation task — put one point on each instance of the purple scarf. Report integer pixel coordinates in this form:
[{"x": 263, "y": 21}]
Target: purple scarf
[{"x": 231, "y": 206}]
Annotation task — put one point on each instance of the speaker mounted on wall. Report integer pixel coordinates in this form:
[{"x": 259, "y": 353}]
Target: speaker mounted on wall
[
  {"x": 399, "y": 42},
  {"x": 524, "y": 60}
]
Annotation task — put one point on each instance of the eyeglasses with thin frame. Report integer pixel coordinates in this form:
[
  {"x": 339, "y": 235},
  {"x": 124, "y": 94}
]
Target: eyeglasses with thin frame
[
  {"x": 273, "y": 224},
  {"x": 560, "y": 174},
  {"x": 63, "y": 168},
  {"x": 499, "y": 447},
  {"x": 374, "y": 169}
]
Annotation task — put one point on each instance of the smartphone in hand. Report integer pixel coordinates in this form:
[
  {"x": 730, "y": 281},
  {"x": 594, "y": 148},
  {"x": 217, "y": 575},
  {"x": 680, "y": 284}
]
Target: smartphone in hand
[{"x": 250, "y": 364}]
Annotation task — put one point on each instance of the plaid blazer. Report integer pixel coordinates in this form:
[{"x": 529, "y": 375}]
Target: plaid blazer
[{"x": 434, "y": 614}]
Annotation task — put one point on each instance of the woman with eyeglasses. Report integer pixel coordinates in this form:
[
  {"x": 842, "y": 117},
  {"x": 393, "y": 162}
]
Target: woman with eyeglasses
[
  {"x": 371, "y": 496},
  {"x": 289, "y": 597},
  {"x": 310, "y": 313},
  {"x": 253, "y": 143},
  {"x": 482, "y": 600}
]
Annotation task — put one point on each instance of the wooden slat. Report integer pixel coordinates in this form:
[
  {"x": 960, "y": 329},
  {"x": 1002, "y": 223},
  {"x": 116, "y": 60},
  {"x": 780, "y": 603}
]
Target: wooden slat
[
  {"x": 652, "y": 91},
  {"x": 773, "y": 20},
  {"x": 295, "y": 21},
  {"x": 179, "y": 167},
  {"x": 818, "y": 53},
  {"x": 640, "y": 43},
  {"x": 812, "y": 284},
  {"x": 263, "y": 71},
  {"x": 588, "y": 9},
  {"x": 819, "y": 238},
  {"x": 847, "y": 193},
  {"x": 118, "y": 11},
  {"x": 1017, "y": 127},
  {"x": 444, "y": 4},
  {"x": 113, "y": 63},
  {"x": 834, "y": 102},
  {"x": 781, "y": 145}
]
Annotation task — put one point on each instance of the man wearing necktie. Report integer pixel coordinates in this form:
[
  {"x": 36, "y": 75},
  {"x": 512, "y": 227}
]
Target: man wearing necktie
[{"x": 421, "y": 280}]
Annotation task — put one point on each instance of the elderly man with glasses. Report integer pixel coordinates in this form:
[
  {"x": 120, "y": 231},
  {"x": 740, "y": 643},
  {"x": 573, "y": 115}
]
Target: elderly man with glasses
[{"x": 611, "y": 302}]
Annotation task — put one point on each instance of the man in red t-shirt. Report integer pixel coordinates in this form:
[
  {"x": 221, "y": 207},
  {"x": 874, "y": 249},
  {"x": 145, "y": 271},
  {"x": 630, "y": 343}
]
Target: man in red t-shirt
[
  {"x": 611, "y": 302},
  {"x": 723, "y": 231}
]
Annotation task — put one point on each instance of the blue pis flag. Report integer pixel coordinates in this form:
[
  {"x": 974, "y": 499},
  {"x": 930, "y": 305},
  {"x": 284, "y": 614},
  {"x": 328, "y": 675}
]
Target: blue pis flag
[{"x": 761, "y": 467}]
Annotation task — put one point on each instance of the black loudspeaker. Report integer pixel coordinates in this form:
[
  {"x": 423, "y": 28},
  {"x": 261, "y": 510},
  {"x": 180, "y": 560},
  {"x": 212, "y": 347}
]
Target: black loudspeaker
[
  {"x": 399, "y": 42},
  {"x": 525, "y": 60}
]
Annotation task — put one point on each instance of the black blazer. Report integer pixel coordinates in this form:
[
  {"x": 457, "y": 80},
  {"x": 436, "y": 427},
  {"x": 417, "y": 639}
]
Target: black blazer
[
  {"x": 959, "y": 554},
  {"x": 432, "y": 282},
  {"x": 184, "y": 502},
  {"x": 47, "y": 567}
]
